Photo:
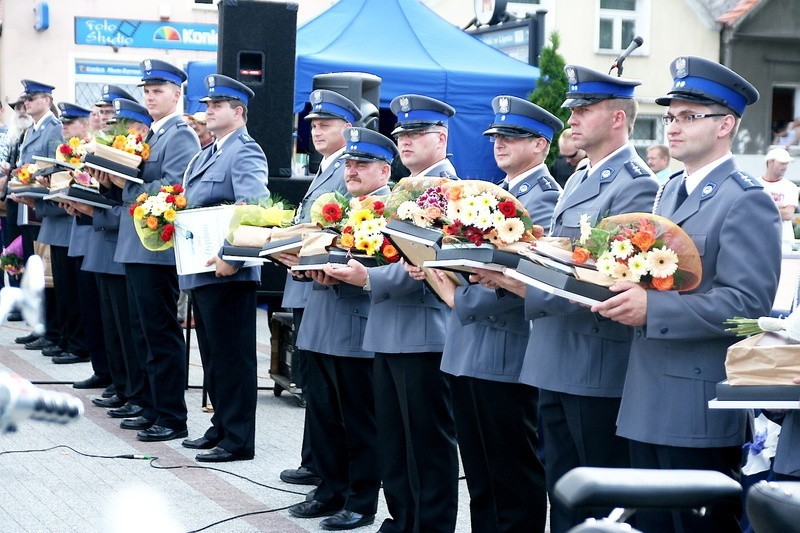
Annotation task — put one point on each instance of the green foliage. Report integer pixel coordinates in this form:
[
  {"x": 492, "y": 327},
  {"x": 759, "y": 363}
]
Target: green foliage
[{"x": 551, "y": 87}]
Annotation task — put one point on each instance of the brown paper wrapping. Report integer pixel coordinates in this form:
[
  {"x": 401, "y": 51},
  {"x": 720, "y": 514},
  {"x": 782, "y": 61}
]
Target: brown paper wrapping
[
  {"x": 278, "y": 234},
  {"x": 251, "y": 236},
  {"x": 763, "y": 359},
  {"x": 317, "y": 243},
  {"x": 117, "y": 156},
  {"x": 59, "y": 180}
]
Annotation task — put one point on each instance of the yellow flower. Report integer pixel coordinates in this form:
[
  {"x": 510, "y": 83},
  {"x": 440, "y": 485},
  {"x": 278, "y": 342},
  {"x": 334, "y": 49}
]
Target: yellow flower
[
  {"x": 360, "y": 216},
  {"x": 138, "y": 213},
  {"x": 119, "y": 142},
  {"x": 366, "y": 245},
  {"x": 75, "y": 160},
  {"x": 169, "y": 215},
  {"x": 347, "y": 240},
  {"x": 74, "y": 142},
  {"x": 141, "y": 198}
]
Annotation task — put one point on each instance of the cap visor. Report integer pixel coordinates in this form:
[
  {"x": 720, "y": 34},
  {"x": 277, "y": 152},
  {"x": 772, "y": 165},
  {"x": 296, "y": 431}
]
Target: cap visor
[
  {"x": 580, "y": 102},
  {"x": 507, "y": 132},
  {"x": 324, "y": 115},
  {"x": 687, "y": 97},
  {"x": 362, "y": 157}
]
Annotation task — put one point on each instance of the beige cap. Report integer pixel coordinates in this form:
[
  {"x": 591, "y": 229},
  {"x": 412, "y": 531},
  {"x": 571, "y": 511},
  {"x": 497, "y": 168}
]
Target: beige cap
[
  {"x": 780, "y": 155},
  {"x": 200, "y": 117}
]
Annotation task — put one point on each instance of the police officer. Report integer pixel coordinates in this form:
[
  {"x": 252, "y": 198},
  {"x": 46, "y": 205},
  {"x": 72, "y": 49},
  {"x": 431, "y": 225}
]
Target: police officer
[
  {"x": 330, "y": 114},
  {"x": 680, "y": 342},
  {"x": 406, "y": 330},
  {"x": 127, "y": 373},
  {"x": 340, "y": 410},
  {"x": 421, "y": 134},
  {"x": 231, "y": 169},
  {"x": 151, "y": 276},
  {"x": 103, "y": 109},
  {"x": 576, "y": 359},
  {"x": 495, "y": 415}
]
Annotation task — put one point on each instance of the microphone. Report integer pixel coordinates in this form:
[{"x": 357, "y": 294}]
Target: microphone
[
  {"x": 635, "y": 43},
  {"x": 21, "y": 400}
]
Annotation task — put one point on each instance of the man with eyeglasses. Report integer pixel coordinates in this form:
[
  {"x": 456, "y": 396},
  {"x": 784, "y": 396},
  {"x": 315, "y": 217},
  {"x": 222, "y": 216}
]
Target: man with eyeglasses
[
  {"x": 575, "y": 358},
  {"x": 679, "y": 345},
  {"x": 406, "y": 330},
  {"x": 569, "y": 157},
  {"x": 422, "y": 139}
]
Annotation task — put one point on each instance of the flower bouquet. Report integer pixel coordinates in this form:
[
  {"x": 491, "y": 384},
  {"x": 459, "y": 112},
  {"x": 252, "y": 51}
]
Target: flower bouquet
[
  {"x": 330, "y": 210},
  {"x": 119, "y": 152},
  {"x": 11, "y": 259},
  {"x": 154, "y": 216},
  {"x": 23, "y": 181},
  {"x": 73, "y": 151},
  {"x": 642, "y": 248},
  {"x": 78, "y": 186},
  {"x": 363, "y": 230},
  {"x": 254, "y": 225}
]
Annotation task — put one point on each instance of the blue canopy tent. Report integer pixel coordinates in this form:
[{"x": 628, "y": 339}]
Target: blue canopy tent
[{"x": 414, "y": 50}]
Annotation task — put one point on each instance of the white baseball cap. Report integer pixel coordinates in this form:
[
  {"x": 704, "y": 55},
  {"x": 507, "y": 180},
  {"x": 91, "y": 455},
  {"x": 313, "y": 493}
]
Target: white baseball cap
[{"x": 780, "y": 155}]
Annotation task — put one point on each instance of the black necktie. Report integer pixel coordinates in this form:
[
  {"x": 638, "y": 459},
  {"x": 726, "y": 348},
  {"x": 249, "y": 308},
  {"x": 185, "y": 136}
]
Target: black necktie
[
  {"x": 682, "y": 193},
  {"x": 148, "y": 136},
  {"x": 505, "y": 185}
]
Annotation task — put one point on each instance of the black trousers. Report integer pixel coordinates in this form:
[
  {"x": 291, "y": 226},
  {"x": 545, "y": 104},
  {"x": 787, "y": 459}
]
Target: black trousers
[
  {"x": 341, "y": 418},
  {"x": 157, "y": 335},
  {"x": 300, "y": 378},
  {"x": 496, "y": 428},
  {"x": 91, "y": 319},
  {"x": 225, "y": 324},
  {"x": 67, "y": 298},
  {"x": 719, "y": 518},
  {"x": 578, "y": 431},
  {"x": 417, "y": 443},
  {"x": 126, "y": 372}
]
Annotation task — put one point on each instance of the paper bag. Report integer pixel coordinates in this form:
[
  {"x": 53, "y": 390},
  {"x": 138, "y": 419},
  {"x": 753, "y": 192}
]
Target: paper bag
[{"x": 763, "y": 359}]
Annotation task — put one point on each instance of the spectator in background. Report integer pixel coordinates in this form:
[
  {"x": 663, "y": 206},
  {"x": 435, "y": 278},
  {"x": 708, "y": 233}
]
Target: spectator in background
[
  {"x": 198, "y": 123},
  {"x": 783, "y": 191},
  {"x": 788, "y": 136},
  {"x": 569, "y": 156},
  {"x": 658, "y": 161}
]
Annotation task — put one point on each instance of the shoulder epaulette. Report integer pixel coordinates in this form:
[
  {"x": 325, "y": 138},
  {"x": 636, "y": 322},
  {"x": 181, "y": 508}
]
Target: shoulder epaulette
[
  {"x": 181, "y": 124},
  {"x": 678, "y": 173},
  {"x": 636, "y": 170},
  {"x": 548, "y": 183},
  {"x": 245, "y": 138},
  {"x": 745, "y": 180},
  {"x": 448, "y": 175}
]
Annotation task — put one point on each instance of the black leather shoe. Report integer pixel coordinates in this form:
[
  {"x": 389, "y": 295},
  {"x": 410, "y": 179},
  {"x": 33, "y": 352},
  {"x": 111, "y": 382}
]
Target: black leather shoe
[
  {"x": 201, "y": 443},
  {"x": 139, "y": 422},
  {"x": 128, "y": 410},
  {"x": 345, "y": 519},
  {"x": 39, "y": 344},
  {"x": 221, "y": 455},
  {"x": 67, "y": 358},
  {"x": 110, "y": 391},
  {"x": 14, "y": 316},
  {"x": 52, "y": 351},
  {"x": 26, "y": 339},
  {"x": 114, "y": 401},
  {"x": 312, "y": 509},
  {"x": 310, "y": 494},
  {"x": 300, "y": 476},
  {"x": 158, "y": 433},
  {"x": 92, "y": 382}
]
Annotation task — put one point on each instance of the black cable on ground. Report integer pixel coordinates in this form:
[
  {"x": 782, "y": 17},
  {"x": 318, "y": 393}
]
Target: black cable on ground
[{"x": 243, "y": 515}]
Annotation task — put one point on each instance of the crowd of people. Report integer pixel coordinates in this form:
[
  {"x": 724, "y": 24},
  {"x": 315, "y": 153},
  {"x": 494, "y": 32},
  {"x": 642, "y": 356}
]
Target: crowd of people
[{"x": 400, "y": 379}]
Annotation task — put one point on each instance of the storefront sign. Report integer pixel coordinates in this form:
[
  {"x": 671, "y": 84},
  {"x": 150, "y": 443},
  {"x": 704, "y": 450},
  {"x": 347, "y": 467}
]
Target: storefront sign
[
  {"x": 107, "y": 69},
  {"x": 145, "y": 34}
]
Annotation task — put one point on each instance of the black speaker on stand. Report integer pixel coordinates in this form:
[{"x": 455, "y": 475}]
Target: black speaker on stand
[{"x": 257, "y": 47}]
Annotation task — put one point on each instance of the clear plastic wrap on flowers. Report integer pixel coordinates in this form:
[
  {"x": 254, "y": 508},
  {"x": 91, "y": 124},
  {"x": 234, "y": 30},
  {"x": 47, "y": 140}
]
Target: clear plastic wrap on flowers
[{"x": 643, "y": 248}]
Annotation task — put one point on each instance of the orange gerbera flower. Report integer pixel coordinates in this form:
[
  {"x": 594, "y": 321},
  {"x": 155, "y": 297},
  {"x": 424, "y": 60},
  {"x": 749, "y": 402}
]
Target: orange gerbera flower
[{"x": 152, "y": 222}]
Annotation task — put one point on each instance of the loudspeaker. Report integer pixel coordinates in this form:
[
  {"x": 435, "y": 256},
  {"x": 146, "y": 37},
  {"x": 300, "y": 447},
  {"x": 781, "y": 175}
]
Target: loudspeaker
[
  {"x": 361, "y": 88},
  {"x": 257, "y": 47}
]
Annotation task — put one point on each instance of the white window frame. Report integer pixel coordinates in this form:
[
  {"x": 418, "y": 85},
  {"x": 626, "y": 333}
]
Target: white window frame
[
  {"x": 203, "y": 7},
  {"x": 641, "y": 18}
]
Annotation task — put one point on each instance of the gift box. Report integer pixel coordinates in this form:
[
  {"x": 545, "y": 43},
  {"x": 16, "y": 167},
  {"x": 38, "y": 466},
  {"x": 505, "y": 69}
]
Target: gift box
[
  {"x": 47, "y": 163},
  {"x": 116, "y": 162},
  {"x": 83, "y": 195},
  {"x": 556, "y": 278},
  {"x": 242, "y": 253},
  {"x": 467, "y": 257},
  {"x": 770, "y": 358}
]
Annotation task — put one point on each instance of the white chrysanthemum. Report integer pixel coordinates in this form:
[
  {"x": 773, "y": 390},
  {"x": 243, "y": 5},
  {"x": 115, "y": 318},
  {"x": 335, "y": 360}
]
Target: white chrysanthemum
[
  {"x": 638, "y": 264},
  {"x": 483, "y": 221},
  {"x": 663, "y": 262},
  {"x": 486, "y": 199},
  {"x": 510, "y": 230},
  {"x": 407, "y": 209},
  {"x": 497, "y": 218},
  {"x": 586, "y": 228},
  {"x": 622, "y": 249},
  {"x": 469, "y": 216},
  {"x": 606, "y": 263},
  {"x": 471, "y": 202}
]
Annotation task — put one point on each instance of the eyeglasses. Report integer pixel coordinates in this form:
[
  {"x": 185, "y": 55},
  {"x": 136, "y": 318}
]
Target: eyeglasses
[
  {"x": 507, "y": 138},
  {"x": 413, "y": 134},
  {"x": 683, "y": 120}
]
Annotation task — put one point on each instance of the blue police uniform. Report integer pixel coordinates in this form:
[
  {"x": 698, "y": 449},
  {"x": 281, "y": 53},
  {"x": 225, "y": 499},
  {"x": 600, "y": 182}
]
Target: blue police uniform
[
  {"x": 324, "y": 105},
  {"x": 340, "y": 413},
  {"x": 230, "y": 170},
  {"x": 678, "y": 356},
  {"x": 487, "y": 333},
  {"x": 151, "y": 276},
  {"x": 416, "y": 112},
  {"x": 406, "y": 330},
  {"x": 126, "y": 366},
  {"x": 576, "y": 358},
  {"x": 111, "y": 93}
]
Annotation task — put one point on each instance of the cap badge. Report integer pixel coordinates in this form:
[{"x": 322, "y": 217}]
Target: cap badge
[
  {"x": 316, "y": 97},
  {"x": 404, "y": 104},
  {"x": 212, "y": 81},
  {"x": 680, "y": 68},
  {"x": 148, "y": 65},
  {"x": 354, "y": 136},
  {"x": 503, "y": 105},
  {"x": 105, "y": 89},
  {"x": 572, "y": 76},
  {"x": 116, "y": 104}
]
